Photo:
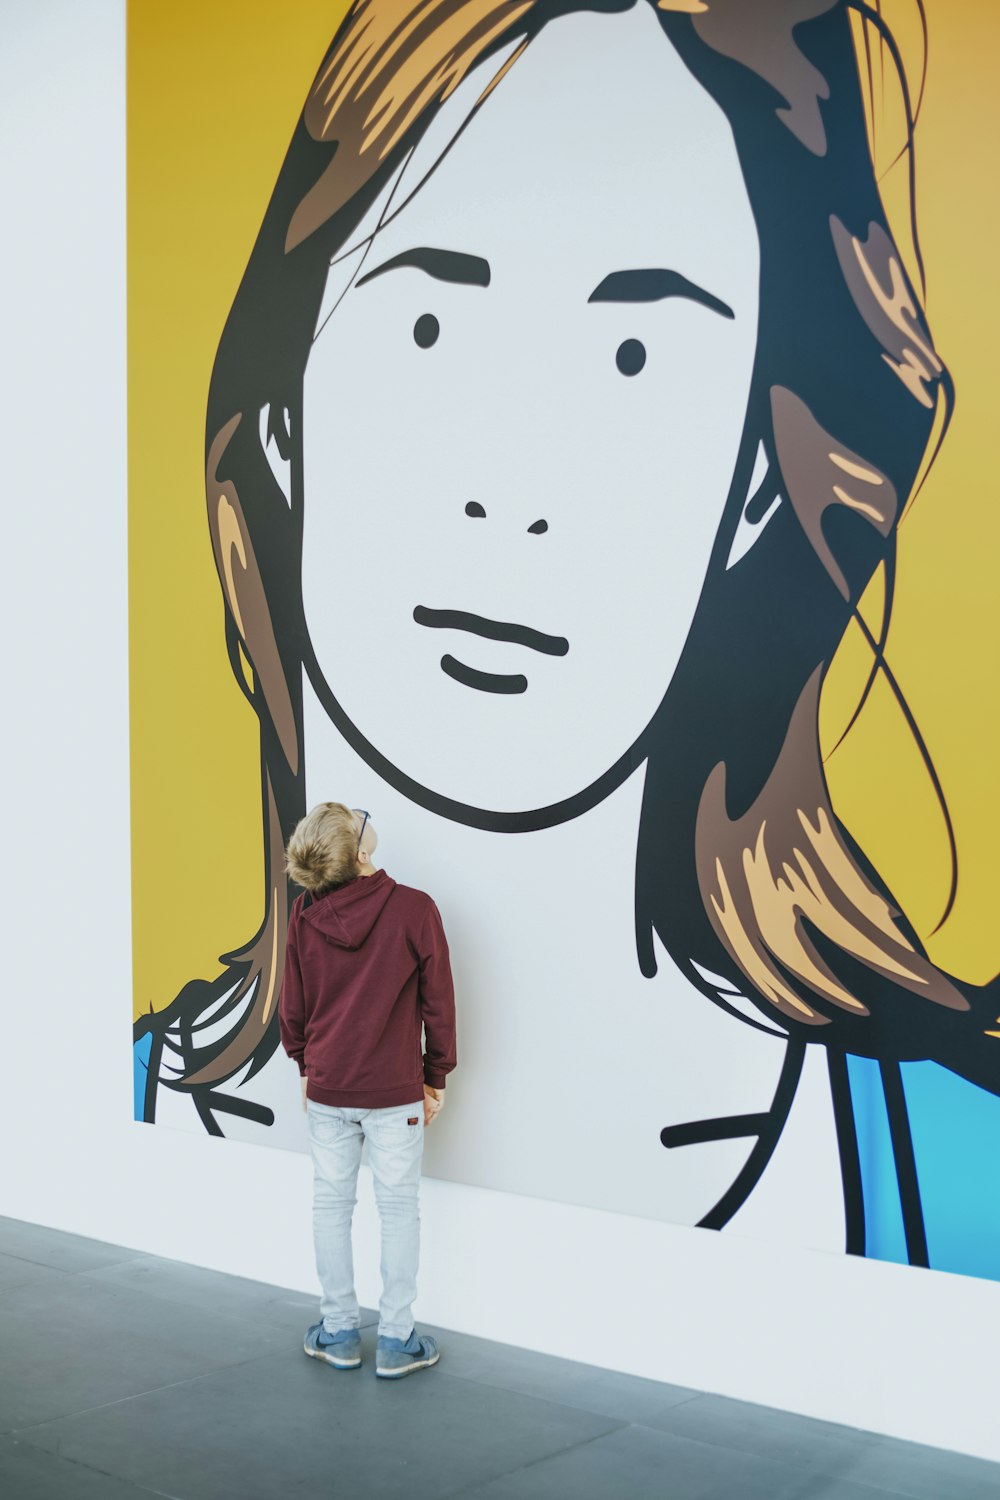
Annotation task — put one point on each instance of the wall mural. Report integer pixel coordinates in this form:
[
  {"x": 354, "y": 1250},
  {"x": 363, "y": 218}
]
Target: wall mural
[{"x": 557, "y": 441}]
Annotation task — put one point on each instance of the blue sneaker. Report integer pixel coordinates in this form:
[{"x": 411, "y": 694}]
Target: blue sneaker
[
  {"x": 396, "y": 1357},
  {"x": 341, "y": 1349}
]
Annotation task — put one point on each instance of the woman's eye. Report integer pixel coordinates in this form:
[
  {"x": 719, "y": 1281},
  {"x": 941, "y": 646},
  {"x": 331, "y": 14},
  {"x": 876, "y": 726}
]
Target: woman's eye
[
  {"x": 630, "y": 358},
  {"x": 426, "y": 330}
]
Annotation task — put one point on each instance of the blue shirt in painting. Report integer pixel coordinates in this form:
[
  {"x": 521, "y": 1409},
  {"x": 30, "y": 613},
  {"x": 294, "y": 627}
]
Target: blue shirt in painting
[{"x": 955, "y": 1130}]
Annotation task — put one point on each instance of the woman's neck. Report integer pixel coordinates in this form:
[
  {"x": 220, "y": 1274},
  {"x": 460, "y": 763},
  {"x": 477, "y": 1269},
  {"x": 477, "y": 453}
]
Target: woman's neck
[{"x": 597, "y": 846}]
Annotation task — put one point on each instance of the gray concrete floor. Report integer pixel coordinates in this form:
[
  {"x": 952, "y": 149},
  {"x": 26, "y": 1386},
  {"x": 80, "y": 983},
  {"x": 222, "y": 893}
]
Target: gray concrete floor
[{"x": 123, "y": 1375}]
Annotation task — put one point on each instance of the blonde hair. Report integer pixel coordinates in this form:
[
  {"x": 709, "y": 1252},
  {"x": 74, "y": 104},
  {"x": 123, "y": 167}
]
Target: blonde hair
[{"x": 323, "y": 850}]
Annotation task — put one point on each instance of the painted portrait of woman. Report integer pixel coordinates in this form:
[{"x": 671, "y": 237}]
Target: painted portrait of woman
[{"x": 568, "y": 406}]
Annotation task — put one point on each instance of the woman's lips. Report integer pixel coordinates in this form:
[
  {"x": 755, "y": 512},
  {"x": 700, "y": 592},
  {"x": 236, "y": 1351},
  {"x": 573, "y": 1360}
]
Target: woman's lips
[{"x": 491, "y": 630}]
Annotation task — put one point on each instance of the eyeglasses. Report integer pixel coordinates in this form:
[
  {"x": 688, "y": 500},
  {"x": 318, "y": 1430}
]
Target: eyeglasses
[{"x": 364, "y": 820}]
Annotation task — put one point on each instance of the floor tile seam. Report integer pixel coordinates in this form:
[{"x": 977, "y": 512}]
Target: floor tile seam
[
  {"x": 820, "y": 1469},
  {"x": 26, "y": 1260},
  {"x": 129, "y": 1259},
  {"x": 879, "y": 1491},
  {"x": 567, "y": 1405},
  {"x": 228, "y": 1317},
  {"x": 443, "y": 1373},
  {"x": 480, "y": 1484},
  {"x": 127, "y": 1255},
  {"x": 95, "y": 1275},
  {"x": 276, "y": 1338},
  {"x": 674, "y": 1406},
  {"x": 10, "y": 1292},
  {"x": 258, "y": 1324},
  {"x": 888, "y": 1488},
  {"x": 155, "y": 1390},
  {"x": 80, "y": 1463},
  {"x": 790, "y": 1466},
  {"x": 167, "y": 1264},
  {"x": 861, "y": 1435}
]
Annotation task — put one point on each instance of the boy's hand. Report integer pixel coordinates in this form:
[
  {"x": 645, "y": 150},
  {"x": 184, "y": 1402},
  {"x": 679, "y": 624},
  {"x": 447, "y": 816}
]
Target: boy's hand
[
  {"x": 433, "y": 1103},
  {"x": 305, "y": 1082}
]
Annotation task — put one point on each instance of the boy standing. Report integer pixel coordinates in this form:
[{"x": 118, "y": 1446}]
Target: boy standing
[{"x": 366, "y": 968}]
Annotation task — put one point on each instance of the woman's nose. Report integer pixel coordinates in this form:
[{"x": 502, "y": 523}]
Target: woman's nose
[{"x": 477, "y": 513}]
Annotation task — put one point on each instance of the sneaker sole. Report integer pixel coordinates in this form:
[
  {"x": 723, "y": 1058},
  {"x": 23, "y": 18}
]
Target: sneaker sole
[
  {"x": 418, "y": 1364},
  {"x": 329, "y": 1359}
]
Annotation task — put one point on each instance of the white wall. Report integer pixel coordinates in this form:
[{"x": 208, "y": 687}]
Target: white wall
[{"x": 900, "y": 1351}]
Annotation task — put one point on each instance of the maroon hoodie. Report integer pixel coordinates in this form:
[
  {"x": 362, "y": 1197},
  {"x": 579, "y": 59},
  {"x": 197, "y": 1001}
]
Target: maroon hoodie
[{"x": 365, "y": 967}]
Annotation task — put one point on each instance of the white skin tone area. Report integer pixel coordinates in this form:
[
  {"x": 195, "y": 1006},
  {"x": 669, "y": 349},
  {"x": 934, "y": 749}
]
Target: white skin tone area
[
  {"x": 570, "y": 1062},
  {"x": 519, "y": 410}
]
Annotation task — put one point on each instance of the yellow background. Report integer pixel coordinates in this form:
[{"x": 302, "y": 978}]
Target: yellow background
[{"x": 214, "y": 92}]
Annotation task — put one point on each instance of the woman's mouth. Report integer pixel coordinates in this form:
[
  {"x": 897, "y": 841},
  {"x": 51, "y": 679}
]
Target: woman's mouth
[{"x": 491, "y": 630}]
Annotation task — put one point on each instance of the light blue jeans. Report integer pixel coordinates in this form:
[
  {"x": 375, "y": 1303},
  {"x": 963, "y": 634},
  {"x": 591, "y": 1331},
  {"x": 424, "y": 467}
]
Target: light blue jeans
[{"x": 395, "y": 1151}]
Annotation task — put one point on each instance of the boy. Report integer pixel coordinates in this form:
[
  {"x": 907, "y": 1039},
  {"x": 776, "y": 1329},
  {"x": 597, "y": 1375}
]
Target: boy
[{"x": 366, "y": 966}]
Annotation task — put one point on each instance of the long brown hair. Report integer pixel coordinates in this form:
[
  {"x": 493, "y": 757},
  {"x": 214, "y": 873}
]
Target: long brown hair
[{"x": 743, "y": 868}]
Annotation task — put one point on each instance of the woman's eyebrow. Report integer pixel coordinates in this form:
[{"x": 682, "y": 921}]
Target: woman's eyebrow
[
  {"x": 443, "y": 265},
  {"x": 652, "y": 286}
]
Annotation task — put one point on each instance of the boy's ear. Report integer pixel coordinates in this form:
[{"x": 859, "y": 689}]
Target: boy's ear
[{"x": 245, "y": 596}]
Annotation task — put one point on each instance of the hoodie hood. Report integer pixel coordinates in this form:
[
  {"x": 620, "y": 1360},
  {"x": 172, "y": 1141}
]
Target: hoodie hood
[{"x": 346, "y": 916}]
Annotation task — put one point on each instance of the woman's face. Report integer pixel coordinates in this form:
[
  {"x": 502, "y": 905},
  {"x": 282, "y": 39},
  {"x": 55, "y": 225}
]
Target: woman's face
[{"x": 521, "y": 422}]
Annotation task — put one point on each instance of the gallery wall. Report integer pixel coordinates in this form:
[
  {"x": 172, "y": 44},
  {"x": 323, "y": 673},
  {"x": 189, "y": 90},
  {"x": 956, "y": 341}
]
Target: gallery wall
[
  {"x": 716, "y": 827},
  {"x": 888, "y": 1347}
]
